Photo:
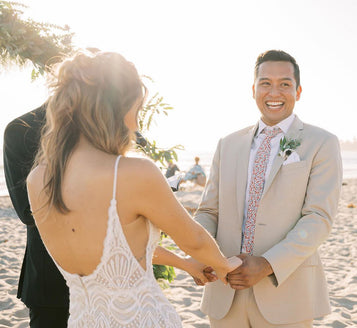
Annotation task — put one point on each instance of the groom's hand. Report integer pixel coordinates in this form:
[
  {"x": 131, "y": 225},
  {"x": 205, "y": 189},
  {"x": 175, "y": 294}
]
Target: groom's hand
[{"x": 252, "y": 270}]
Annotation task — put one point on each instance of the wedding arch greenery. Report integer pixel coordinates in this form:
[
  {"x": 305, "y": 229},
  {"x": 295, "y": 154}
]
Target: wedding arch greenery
[{"x": 25, "y": 41}]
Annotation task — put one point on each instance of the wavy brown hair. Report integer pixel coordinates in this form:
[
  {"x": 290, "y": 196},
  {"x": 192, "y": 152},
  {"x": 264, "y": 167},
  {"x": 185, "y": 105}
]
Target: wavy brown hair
[{"x": 91, "y": 94}]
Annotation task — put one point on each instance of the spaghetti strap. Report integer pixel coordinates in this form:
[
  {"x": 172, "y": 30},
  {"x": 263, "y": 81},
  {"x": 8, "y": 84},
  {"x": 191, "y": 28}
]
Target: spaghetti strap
[{"x": 115, "y": 177}]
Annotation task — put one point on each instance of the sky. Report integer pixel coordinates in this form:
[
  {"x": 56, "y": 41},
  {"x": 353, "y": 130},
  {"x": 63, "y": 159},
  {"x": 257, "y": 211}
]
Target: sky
[{"x": 201, "y": 55}]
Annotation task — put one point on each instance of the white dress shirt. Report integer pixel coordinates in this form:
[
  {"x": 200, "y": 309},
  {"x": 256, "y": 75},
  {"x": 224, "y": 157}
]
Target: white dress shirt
[{"x": 275, "y": 143}]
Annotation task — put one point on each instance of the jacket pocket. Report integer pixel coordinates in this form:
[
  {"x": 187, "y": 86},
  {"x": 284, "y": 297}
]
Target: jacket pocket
[{"x": 293, "y": 168}]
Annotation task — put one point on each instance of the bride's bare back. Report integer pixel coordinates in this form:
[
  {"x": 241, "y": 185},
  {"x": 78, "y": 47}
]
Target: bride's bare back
[{"x": 75, "y": 240}]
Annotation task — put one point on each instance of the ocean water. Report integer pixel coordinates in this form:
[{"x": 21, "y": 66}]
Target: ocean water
[
  {"x": 186, "y": 161},
  {"x": 349, "y": 162}
]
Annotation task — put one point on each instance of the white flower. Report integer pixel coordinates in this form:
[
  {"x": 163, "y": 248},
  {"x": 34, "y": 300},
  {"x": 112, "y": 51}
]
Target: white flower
[{"x": 287, "y": 147}]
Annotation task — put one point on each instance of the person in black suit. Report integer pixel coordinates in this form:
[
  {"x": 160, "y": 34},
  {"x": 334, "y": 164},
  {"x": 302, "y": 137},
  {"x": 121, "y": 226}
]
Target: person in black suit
[{"x": 41, "y": 286}]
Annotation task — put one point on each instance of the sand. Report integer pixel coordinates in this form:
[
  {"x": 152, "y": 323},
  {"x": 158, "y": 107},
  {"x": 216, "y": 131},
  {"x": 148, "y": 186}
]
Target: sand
[{"x": 338, "y": 253}]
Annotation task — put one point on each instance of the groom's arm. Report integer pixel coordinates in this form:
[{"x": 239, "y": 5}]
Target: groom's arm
[
  {"x": 20, "y": 146},
  {"x": 318, "y": 212},
  {"x": 207, "y": 213}
]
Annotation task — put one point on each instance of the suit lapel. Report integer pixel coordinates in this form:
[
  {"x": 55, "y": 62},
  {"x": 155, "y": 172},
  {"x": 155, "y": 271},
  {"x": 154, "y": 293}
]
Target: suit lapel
[
  {"x": 294, "y": 132},
  {"x": 278, "y": 161},
  {"x": 242, "y": 169}
]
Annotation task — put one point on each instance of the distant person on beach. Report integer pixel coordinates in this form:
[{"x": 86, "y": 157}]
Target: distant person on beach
[
  {"x": 196, "y": 174},
  {"x": 171, "y": 169},
  {"x": 270, "y": 199},
  {"x": 41, "y": 286},
  {"x": 99, "y": 212}
]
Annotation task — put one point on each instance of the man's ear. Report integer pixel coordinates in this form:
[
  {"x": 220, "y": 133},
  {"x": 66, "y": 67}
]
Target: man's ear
[
  {"x": 253, "y": 89},
  {"x": 298, "y": 92}
]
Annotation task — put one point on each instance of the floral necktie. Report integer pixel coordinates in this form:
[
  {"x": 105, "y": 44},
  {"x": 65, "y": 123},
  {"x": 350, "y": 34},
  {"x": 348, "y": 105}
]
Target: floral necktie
[{"x": 256, "y": 188}]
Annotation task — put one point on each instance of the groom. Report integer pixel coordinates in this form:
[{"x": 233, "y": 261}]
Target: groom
[{"x": 271, "y": 201}]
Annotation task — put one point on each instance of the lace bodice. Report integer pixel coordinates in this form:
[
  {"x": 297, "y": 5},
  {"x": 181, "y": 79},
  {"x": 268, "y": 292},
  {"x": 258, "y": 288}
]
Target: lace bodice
[{"x": 119, "y": 292}]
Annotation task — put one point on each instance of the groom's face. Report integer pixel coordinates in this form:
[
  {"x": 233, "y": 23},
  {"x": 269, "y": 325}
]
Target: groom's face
[{"x": 275, "y": 91}]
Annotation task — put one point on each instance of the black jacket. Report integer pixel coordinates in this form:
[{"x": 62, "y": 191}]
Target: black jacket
[{"x": 41, "y": 284}]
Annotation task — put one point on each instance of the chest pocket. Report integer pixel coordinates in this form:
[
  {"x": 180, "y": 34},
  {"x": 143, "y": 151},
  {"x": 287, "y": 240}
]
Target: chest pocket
[{"x": 293, "y": 168}]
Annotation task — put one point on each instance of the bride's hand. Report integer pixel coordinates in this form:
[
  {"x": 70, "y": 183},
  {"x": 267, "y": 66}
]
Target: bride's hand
[
  {"x": 232, "y": 263},
  {"x": 200, "y": 273}
]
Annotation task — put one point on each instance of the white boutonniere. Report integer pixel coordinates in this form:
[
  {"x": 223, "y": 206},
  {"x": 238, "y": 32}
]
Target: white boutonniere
[{"x": 287, "y": 147}]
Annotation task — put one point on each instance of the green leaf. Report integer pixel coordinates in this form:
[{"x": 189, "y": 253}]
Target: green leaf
[
  {"x": 175, "y": 156},
  {"x": 24, "y": 40},
  {"x": 164, "y": 272}
]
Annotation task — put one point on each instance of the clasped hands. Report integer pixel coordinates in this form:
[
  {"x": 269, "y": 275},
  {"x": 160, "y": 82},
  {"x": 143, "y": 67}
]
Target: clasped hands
[{"x": 250, "y": 272}]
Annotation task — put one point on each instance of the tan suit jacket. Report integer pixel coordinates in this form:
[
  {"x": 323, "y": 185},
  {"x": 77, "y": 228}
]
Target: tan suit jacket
[{"x": 295, "y": 215}]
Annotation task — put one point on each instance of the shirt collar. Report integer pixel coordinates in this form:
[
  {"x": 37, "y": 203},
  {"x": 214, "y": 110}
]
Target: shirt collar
[{"x": 284, "y": 125}]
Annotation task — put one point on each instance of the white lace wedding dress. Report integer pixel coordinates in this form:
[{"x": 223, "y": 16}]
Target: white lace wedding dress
[{"x": 119, "y": 293}]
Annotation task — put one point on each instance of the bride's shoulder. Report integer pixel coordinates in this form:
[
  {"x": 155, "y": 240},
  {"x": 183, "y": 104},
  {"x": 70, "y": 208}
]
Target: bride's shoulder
[
  {"x": 140, "y": 171},
  {"x": 34, "y": 185},
  {"x": 36, "y": 175},
  {"x": 139, "y": 165}
]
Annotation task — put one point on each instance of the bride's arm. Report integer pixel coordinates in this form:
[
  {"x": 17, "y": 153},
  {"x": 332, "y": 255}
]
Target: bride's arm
[
  {"x": 151, "y": 197},
  {"x": 191, "y": 266}
]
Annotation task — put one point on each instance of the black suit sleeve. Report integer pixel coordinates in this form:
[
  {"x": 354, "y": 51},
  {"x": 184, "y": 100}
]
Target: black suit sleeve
[{"x": 21, "y": 141}]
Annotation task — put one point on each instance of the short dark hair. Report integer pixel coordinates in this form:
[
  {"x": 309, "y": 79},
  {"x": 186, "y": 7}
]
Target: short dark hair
[{"x": 277, "y": 55}]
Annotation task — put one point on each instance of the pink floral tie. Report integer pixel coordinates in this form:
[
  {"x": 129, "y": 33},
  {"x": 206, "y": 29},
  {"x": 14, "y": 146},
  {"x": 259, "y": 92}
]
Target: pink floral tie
[{"x": 256, "y": 188}]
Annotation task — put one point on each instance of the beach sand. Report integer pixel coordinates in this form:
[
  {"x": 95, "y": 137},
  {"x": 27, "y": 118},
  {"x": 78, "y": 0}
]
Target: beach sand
[{"x": 338, "y": 254}]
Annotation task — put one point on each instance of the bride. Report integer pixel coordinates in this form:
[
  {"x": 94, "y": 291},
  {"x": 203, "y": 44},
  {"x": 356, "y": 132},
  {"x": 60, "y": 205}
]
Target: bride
[{"x": 100, "y": 213}]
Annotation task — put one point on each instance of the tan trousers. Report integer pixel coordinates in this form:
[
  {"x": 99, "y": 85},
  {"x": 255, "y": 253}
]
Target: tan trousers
[{"x": 244, "y": 313}]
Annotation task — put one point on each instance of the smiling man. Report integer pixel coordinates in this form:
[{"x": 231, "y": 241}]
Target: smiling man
[
  {"x": 276, "y": 89},
  {"x": 270, "y": 199}
]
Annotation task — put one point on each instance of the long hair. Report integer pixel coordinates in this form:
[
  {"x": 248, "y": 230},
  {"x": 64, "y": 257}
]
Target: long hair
[{"x": 91, "y": 94}]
